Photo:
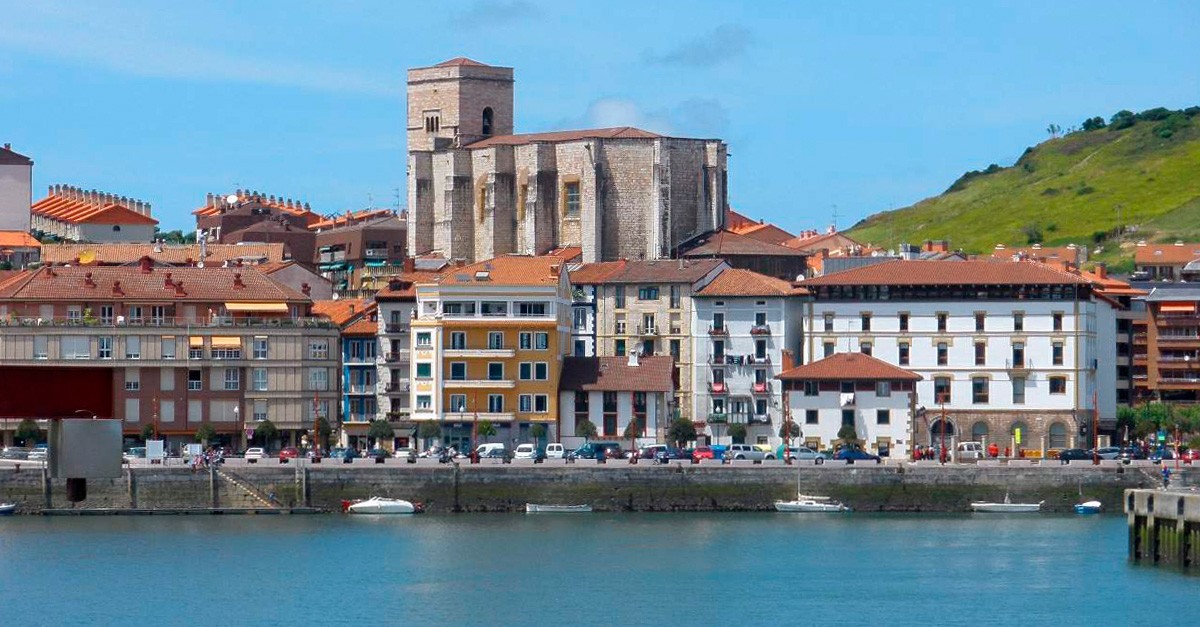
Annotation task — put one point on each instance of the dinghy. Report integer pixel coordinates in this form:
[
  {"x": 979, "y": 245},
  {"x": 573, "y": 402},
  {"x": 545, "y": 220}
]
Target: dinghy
[
  {"x": 535, "y": 508},
  {"x": 1088, "y": 507},
  {"x": 7, "y": 509},
  {"x": 1007, "y": 507},
  {"x": 381, "y": 505}
]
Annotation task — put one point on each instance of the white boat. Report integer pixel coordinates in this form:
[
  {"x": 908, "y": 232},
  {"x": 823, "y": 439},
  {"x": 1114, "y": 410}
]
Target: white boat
[
  {"x": 381, "y": 505},
  {"x": 7, "y": 509},
  {"x": 1088, "y": 507},
  {"x": 534, "y": 508},
  {"x": 1007, "y": 507},
  {"x": 810, "y": 505}
]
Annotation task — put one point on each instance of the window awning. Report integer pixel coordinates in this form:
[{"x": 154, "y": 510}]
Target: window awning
[
  {"x": 196, "y": 342},
  {"x": 375, "y": 263},
  {"x": 257, "y": 307},
  {"x": 1178, "y": 308},
  {"x": 231, "y": 341},
  {"x": 332, "y": 267}
]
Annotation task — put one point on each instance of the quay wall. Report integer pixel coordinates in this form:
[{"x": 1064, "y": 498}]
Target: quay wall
[{"x": 607, "y": 487}]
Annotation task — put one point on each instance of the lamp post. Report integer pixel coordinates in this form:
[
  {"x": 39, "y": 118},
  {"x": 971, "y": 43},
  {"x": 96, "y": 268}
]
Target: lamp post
[{"x": 237, "y": 419}]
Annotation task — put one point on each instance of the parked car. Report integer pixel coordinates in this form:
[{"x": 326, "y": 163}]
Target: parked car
[
  {"x": 405, "y": 453},
  {"x": 650, "y": 451},
  {"x": 289, "y": 452},
  {"x": 1160, "y": 454},
  {"x": 797, "y": 452},
  {"x": 377, "y": 453},
  {"x": 344, "y": 453},
  {"x": 491, "y": 449},
  {"x": 1069, "y": 454},
  {"x": 1131, "y": 452},
  {"x": 525, "y": 451},
  {"x": 668, "y": 454},
  {"x": 747, "y": 451},
  {"x": 14, "y": 452},
  {"x": 1109, "y": 452},
  {"x": 134, "y": 452},
  {"x": 970, "y": 451},
  {"x": 853, "y": 455},
  {"x": 555, "y": 450},
  {"x": 256, "y": 452},
  {"x": 703, "y": 452},
  {"x": 38, "y": 455},
  {"x": 596, "y": 450},
  {"x": 1189, "y": 456}
]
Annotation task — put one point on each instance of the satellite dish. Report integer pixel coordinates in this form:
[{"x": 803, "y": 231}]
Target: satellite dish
[{"x": 231, "y": 199}]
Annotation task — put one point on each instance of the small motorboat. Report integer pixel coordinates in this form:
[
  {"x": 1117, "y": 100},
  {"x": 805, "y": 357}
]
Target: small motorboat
[
  {"x": 382, "y": 505},
  {"x": 535, "y": 508},
  {"x": 8, "y": 509},
  {"x": 1007, "y": 507},
  {"x": 1088, "y": 507}
]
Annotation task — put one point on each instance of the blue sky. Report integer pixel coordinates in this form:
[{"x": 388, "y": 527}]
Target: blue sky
[{"x": 866, "y": 105}]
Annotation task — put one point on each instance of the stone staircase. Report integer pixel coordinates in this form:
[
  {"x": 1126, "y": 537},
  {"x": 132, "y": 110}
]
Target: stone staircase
[{"x": 236, "y": 491}]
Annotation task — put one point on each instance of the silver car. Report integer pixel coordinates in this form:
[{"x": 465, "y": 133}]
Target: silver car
[
  {"x": 801, "y": 453},
  {"x": 747, "y": 451}
]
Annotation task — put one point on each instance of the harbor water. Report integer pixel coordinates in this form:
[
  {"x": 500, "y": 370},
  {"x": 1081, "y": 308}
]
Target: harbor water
[{"x": 591, "y": 569}]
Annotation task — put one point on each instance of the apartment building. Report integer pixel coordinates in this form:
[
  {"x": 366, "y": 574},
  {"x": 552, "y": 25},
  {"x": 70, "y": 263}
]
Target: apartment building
[
  {"x": 1165, "y": 262},
  {"x": 397, "y": 303},
  {"x": 1166, "y": 357},
  {"x": 357, "y": 322},
  {"x": 612, "y": 393},
  {"x": 646, "y": 306},
  {"x": 742, "y": 326},
  {"x": 586, "y": 284},
  {"x": 1001, "y": 345},
  {"x": 487, "y": 343},
  {"x": 177, "y": 348},
  {"x": 79, "y": 215},
  {"x": 350, "y": 247}
]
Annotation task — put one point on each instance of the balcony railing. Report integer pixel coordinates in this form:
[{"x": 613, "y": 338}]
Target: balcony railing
[
  {"x": 396, "y": 327},
  {"x": 760, "y": 419},
  {"x": 375, "y": 253},
  {"x": 360, "y": 389},
  {"x": 169, "y": 321},
  {"x": 762, "y": 388},
  {"x": 718, "y": 388},
  {"x": 393, "y": 387},
  {"x": 647, "y": 330},
  {"x": 760, "y": 329},
  {"x": 395, "y": 356},
  {"x": 717, "y": 360},
  {"x": 1019, "y": 364},
  {"x": 718, "y": 330}
]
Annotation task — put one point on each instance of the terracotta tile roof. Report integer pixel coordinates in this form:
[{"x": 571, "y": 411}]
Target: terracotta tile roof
[
  {"x": 271, "y": 267},
  {"x": 364, "y": 325},
  {"x": 765, "y": 232},
  {"x": 735, "y": 220},
  {"x": 621, "y": 132},
  {"x": 352, "y": 315},
  {"x": 1166, "y": 254},
  {"x": 665, "y": 271},
  {"x": 848, "y": 366},
  {"x": 813, "y": 241},
  {"x": 969, "y": 272},
  {"x": 461, "y": 61},
  {"x": 567, "y": 253},
  {"x": 8, "y": 275},
  {"x": 729, "y": 243},
  {"x": 216, "y": 204},
  {"x": 8, "y": 156},
  {"x": 18, "y": 239},
  {"x": 73, "y": 205},
  {"x": 351, "y": 218},
  {"x": 596, "y": 273},
  {"x": 1110, "y": 286},
  {"x": 1073, "y": 254},
  {"x": 403, "y": 285},
  {"x": 507, "y": 270},
  {"x": 170, "y": 254},
  {"x": 738, "y": 282},
  {"x": 70, "y": 283},
  {"x": 614, "y": 374}
]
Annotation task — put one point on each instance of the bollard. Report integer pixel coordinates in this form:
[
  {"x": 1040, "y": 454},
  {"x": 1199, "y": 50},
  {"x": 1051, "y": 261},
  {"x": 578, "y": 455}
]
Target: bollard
[{"x": 252, "y": 461}]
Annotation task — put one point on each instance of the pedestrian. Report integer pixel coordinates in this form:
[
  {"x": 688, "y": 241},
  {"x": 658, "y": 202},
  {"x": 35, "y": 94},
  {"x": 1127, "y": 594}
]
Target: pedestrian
[
  {"x": 1166, "y": 473},
  {"x": 993, "y": 450}
]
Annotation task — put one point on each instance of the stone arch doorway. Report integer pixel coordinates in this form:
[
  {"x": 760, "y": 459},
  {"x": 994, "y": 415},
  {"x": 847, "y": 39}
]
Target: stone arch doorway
[
  {"x": 1058, "y": 435},
  {"x": 935, "y": 432}
]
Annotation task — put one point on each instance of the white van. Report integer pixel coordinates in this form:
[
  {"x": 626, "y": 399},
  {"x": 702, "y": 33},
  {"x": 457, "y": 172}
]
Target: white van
[
  {"x": 494, "y": 449},
  {"x": 555, "y": 450},
  {"x": 970, "y": 451}
]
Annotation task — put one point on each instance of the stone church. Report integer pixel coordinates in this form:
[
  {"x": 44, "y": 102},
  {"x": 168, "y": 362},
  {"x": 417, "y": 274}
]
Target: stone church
[{"x": 476, "y": 190}]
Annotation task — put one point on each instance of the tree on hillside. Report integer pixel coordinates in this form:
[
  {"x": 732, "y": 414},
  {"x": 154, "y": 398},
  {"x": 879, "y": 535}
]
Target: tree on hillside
[
  {"x": 1121, "y": 120},
  {"x": 681, "y": 431},
  {"x": 28, "y": 432},
  {"x": 1053, "y": 130},
  {"x": 1093, "y": 124}
]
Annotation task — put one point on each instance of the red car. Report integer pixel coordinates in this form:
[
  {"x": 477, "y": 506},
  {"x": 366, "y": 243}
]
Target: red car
[
  {"x": 289, "y": 453},
  {"x": 702, "y": 452},
  {"x": 1189, "y": 456}
]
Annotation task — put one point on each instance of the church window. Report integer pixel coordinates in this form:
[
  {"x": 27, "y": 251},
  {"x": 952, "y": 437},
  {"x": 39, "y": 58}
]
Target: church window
[
  {"x": 432, "y": 122},
  {"x": 571, "y": 191},
  {"x": 487, "y": 120}
]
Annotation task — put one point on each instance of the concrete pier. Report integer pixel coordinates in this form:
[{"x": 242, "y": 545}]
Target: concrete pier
[{"x": 1164, "y": 527}]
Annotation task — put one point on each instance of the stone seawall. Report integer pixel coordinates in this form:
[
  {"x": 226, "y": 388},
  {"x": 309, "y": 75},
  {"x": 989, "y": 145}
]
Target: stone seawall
[{"x": 612, "y": 487}]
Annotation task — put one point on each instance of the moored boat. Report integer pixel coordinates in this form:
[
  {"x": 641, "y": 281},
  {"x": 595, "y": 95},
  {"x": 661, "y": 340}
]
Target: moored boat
[
  {"x": 381, "y": 505},
  {"x": 1088, "y": 507},
  {"x": 7, "y": 509},
  {"x": 1007, "y": 507},
  {"x": 810, "y": 505},
  {"x": 535, "y": 508}
]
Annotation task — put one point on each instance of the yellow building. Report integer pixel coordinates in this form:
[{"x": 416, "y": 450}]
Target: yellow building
[{"x": 488, "y": 342}]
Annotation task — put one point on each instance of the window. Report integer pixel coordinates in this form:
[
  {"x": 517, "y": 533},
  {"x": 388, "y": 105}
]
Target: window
[
  {"x": 810, "y": 416},
  {"x": 943, "y": 354},
  {"x": 828, "y": 323},
  {"x": 233, "y": 379},
  {"x": 168, "y": 347},
  {"x": 466, "y": 308},
  {"x": 579, "y": 318},
  {"x": 458, "y": 340},
  {"x": 166, "y": 379},
  {"x": 904, "y": 322},
  {"x": 494, "y": 309},
  {"x": 133, "y": 380},
  {"x": 811, "y": 388},
  {"x": 259, "y": 412},
  {"x": 104, "y": 344},
  {"x": 866, "y": 321},
  {"x": 458, "y": 403},
  {"x": 941, "y": 322},
  {"x": 674, "y": 297},
  {"x": 979, "y": 390},
  {"x": 458, "y": 371},
  {"x": 260, "y": 347},
  {"x": 980, "y": 353},
  {"x": 424, "y": 370},
  {"x": 883, "y": 388},
  {"x": 865, "y": 347},
  {"x": 904, "y": 352},
  {"x": 1056, "y": 352},
  {"x": 495, "y": 371},
  {"x": 259, "y": 380},
  {"x": 718, "y": 376},
  {"x": 760, "y": 349},
  {"x": 847, "y": 387},
  {"x": 941, "y": 390},
  {"x": 432, "y": 121},
  {"x": 1058, "y": 436},
  {"x": 74, "y": 313},
  {"x": 525, "y": 403},
  {"x": 158, "y": 314},
  {"x": 75, "y": 347},
  {"x": 133, "y": 408},
  {"x": 106, "y": 314},
  {"x": 486, "y": 122},
  {"x": 619, "y": 296},
  {"x": 619, "y": 348},
  {"x": 530, "y": 310},
  {"x": 424, "y": 338},
  {"x": 1058, "y": 385},
  {"x": 495, "y": 403},
  {"x": 41, "y": 345},
  {"x": 133, "y": 347},
  {"x": 1018, "y": 321},
  {"x": 718, "y": 406},
  {"x": 648, "y": 325},
  {"x": 718, "y": 321},
  {"x": 1018, "y": 390},
  {"x": 980, "y": 317},
  {"x": 541, "y": 341},
  {"x": 571, "y": 199},
  {"x": 1057, "y": 319},
  {"x": 674, "y": 349},
  {"x": 610, "y": 413},
  {"x": 649, "y": 292},
  {"x": 828, "y": 348},
  {"x": 580, "y": 348},
  {"x": 319, "y": 349},
  {"x": 541, "y": 403},
  {"x": 525, "y": 341},
  {"x": 166, "y": 411},
  {"x": 541, "y": 371},
  {"x": 525, "y": 371},
  {"x": 979, "y": 431},
  {"x": 1018, "y": 354},
  {"x": 318, "y": 379},
  {"x": 424, "y": 401},
  {"x": 195, "y": 382},
  {"x": 847, "y": 417},
  {"x": 495, "y": 340},
  {"x": 760, "y": 318},
  {"x": 883, "y": 416}
]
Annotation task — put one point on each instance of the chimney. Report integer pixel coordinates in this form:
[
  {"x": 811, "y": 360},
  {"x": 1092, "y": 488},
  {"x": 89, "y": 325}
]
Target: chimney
[
  {"x": 1101, "y": 270},
  {"x": 209, "y": 200},
  {"x": 167, "y": 282},
  {"x": 410, "y": 264},
  {"x": 237, "y": 281},
  {"x": 555, "y": 269},
  {"x": 305, "y": 289},
  {"x": 87, "y": 280},
  {"x": 633, "y": 359},
  {"x": 788, "y": 360},
  {"x": 117, "y": 291},
  {"x": 50, "y": 271},
  {"x": 7, "y": 146},
  {"x": 352, "y": 309},
  {"x": 179, "y": 293},
  {"x": 146, "y": 265}
]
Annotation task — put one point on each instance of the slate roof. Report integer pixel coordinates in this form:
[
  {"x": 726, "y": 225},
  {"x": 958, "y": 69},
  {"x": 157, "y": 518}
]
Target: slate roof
[
  {"x": 8, "y": 156},
  {"x": 614, "y": 374},
  {"x": 848, "y": 366}
]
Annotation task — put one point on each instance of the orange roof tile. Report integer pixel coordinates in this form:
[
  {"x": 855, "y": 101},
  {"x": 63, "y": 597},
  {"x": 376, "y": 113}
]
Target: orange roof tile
[
  {"x": 1039, "y": 253},
  {"x": 363, "y": 326},
  {"x": 948, "y": 273},
  {"x": 567, "y": 253},
  {"x": 848, "y": 366},
  {"x": 764, "y": 231},
  {"x": 18, "y": 239},
  {"x": 735, "y": 220},
  {"x": 729, "y": 243},
  {"x": 403, "y": 285},
  {"x": 350, "y": 218},
  {"x": 621, "y": 132},
  {"x": 596, "y": 273},
  {"x": 71, "y": 283},
  {"x": 739, "y": 282},
  {"x": 171, "y": 254},
  {"x": 284, "y": 205},
  {"x": 1172, "y": 254},
  {"x": 820, "y": 241},
  {"x": 76, "y": 206},
  {"x": 665, "y": 270},
  {"x": 509, "y": 270},
  {"x": 345, "y": 313}
]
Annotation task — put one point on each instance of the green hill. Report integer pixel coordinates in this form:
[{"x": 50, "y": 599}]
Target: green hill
[{"x": 1070, "y": 189}]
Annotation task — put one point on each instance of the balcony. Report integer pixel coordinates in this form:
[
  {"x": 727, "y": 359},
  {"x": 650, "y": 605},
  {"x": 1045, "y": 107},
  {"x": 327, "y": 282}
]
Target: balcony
[
  {"x": 375, "y": 253},
  {"x": 397, "y": 415},
  {"x": 718, "y": 418},
  {"x": 360, "y": 389},
  {"x": 760, "y": 419},
  {"x": 720, "y": 330},
  {"x": 395, "y": 356},
  {"x": 718, "y": 388},
  {"x": 490, "y": 416},
  {"x": 762, "y": 388},
  {"x": 760, "y": 329},
  {"x": 479, "y": 383},
  {"x": 396, "y": 387},
  {"x": 717, "y": 360},
  {"x": 396, "y": 328},
  {"x": 1176, "y": 340},
  {"x": 480, "y": 352},
  {"x": 1018, "y": 365},
  {"x": 758, "y": 359},
  {"x": 647, "y": 330},
  {"x": 168, "y": 321}
]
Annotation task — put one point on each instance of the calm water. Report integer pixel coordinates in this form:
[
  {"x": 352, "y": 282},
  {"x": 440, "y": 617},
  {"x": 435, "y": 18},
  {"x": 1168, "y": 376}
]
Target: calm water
[{"x": 588, "y": 569}]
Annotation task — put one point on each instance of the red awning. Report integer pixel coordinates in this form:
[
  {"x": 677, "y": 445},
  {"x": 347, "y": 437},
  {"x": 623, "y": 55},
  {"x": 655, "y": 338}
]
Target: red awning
[{"x": 1178, "y": 308}]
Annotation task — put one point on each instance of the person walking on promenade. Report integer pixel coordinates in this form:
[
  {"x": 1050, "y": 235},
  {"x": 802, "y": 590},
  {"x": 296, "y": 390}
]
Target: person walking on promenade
[{"x": 1166, "y": 474}]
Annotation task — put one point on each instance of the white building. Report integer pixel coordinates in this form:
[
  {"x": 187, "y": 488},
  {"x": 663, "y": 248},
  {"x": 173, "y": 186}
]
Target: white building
[
  {"x": 611, "y": 392},
  {"x": 742, "y": 326},
  {"x": 854, "y": 390},
  {"x": 1005, "y": 345},
  {"x": 16, "y": 190}
]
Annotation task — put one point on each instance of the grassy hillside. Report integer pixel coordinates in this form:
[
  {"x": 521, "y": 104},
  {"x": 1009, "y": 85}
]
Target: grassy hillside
[{"x": 1068, "y": 190}]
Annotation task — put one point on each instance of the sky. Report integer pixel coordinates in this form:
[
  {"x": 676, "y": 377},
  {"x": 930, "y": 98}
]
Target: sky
[{"x": 843, "y": 108}]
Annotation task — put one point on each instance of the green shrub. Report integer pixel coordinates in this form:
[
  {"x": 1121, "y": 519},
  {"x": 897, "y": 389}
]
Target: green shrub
[{"x": 1121, "y": 120}]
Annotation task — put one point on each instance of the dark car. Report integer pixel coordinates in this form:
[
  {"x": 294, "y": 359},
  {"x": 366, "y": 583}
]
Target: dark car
[
  {"x": 1131, "y": 452},
  {"x": 289, "y": 452},
  {"x": 378, "y": 452},
  {"x": 853, "y": 455},
  {"x": 597, "y": 450},
  {"x": 1069, "y": 454},
  {"x": 668, "y": 454}
]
